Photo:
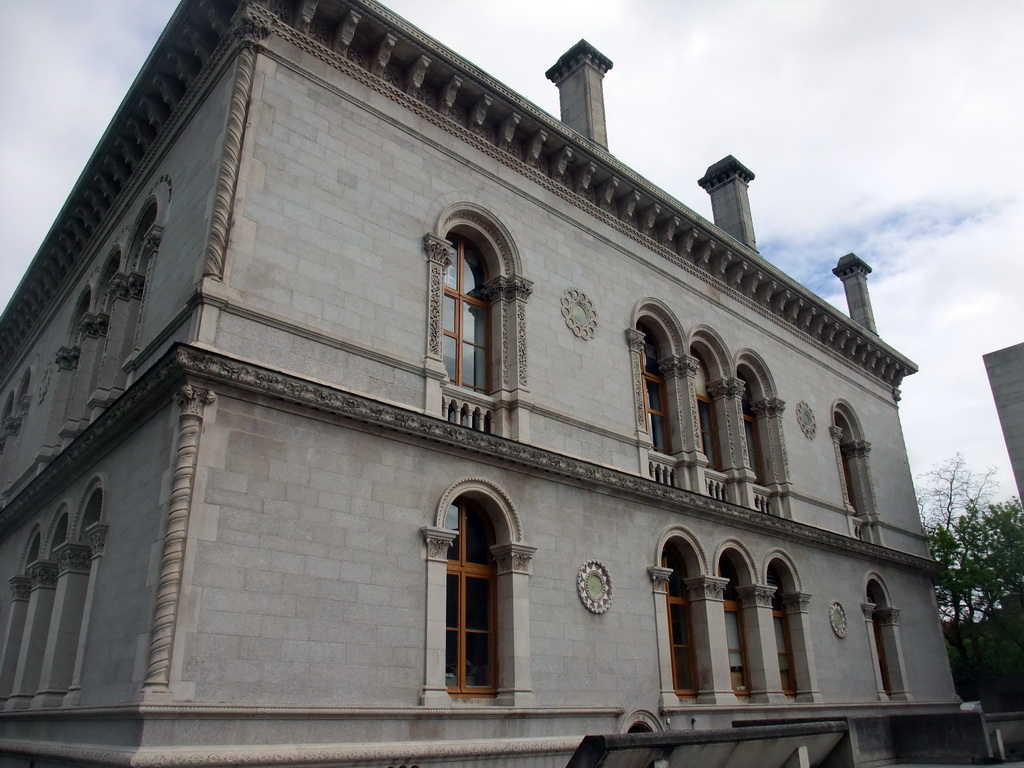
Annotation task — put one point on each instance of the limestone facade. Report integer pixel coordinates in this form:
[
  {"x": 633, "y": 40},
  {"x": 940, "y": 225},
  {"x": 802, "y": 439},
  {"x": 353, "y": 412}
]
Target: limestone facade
[{"x": 238, "y": 416}]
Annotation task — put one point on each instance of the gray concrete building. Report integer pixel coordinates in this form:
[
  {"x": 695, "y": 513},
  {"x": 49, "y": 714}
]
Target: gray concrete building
[
  {"x": 1005, "y": 369},
  {"x": 358, "y": 412}
]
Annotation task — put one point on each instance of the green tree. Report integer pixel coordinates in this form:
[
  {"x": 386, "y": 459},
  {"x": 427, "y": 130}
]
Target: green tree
[{"x": 980, "y": 548}]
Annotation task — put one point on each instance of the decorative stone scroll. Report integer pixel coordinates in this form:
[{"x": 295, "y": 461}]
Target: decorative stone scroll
[
  {"x": 579, "y": 313},
  {"x": 594, "y": 586}
]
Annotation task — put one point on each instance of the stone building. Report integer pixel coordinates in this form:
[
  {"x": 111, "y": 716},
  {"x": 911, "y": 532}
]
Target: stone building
[
  {"x": 1005, "y": 369},
  {"x": 356, "y": 411}
]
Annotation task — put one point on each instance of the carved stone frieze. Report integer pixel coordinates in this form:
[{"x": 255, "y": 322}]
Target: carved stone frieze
[{"x": 199, "y": 364}]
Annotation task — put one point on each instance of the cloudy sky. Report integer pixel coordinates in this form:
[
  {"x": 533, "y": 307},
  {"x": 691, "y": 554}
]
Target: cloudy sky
[{"x": 893, "y": 130}]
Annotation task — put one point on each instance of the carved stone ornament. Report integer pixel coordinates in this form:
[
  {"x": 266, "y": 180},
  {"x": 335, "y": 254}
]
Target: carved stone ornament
[
  {"x": 805, "y": 418},
  {"x": 44, "y": 383},
  {"x": 594, "y": 586},
  {"x": 837, "y": 618},
  {"x": 579, "y": 313}
]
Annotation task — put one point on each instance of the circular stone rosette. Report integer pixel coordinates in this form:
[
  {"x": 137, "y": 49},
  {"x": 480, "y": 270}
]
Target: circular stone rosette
[
  {"x": 594, "y": 586},
  {"x": 805, "y": 417},
  {"x": 837, "y": 618},
  {"x": 579, "y": 313}
]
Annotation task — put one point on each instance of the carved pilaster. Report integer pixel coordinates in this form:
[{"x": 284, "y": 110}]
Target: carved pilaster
[
  {"x": 250, "y": 28},
  {"x": 659, "y": 579},
  {"x": 192, "y": 401},
  {"x": 438, "y": 541},
  {"x": 513, "y": 558},
  {"x": 440, "y": 255},
  {"x": 635, "y": 342}
]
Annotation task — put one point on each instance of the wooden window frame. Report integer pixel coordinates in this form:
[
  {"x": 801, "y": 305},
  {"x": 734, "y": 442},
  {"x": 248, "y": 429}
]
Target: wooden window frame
[
  {"x": 461, "y": 299},
  {"x": 753, "y": 437},
  {"x": 684, "y": 603},
  {"x": 715, "y": 461},
  {"x": 654, "y": 379},
  {"x": 462, "y": 570},
  {"x": 731, "y": 605},
  {"x": 787, "y": 679}
]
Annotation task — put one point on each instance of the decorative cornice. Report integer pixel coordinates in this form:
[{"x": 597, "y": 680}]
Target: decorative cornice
[
  {"x": 185, "y": 60},
  {"x": 199, "y": 364},
  {"x": 553, "y": 155}
]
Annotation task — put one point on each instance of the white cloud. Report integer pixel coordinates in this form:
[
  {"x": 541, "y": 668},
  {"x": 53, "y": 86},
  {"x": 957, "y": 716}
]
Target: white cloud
[{"x": 888, "y": 129}]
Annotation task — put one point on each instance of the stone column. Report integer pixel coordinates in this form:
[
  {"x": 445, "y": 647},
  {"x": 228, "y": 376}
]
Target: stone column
[
  {"x": 674, "y": 369},
  {"x": 33, "y": 641},
  {"x": 66, "y": 364},
  {"x": 513, "y": 571},
  {"x": 97, "y": 534},
  {"x": 769, "y": 414},
  {"x": 727, "y": 397},
  {"x": 889, "y": 629},
  {"x": 706, "y": 596},
  {"x": 761, "y": 648},
  {"x": 435, "y": 689},
  {"x": 856, "y": 453},
  {"x": 695, "y": 462},
  {"x": 796, "y": 606},
  {"x": 868, "y": 609},
  {"x": 659, "y": 589},
  {"x": 635, "y": 344},
  {"x": 91, "y": 328},
  {"x": 440, "y": 255},
  {"x": 73, "y": 561},
  {"x": 110, "y": 382},
  {"x": 192, "y": 402},
  {"x": 21, "y": 587},
  {"x": 507, "y": 297}
]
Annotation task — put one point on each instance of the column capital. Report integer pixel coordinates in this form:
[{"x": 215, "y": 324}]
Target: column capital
[
  {"x": 705, "y": 587},
  {"x": 888, "y": 616},
  {"x": 73, "y": 558},
  {"x": 836, "y": 434},
  {"x": 659, "y": 578},
  {"x": 856, "y": 449},
  {"x": 438, "y": 541},
  {"x": 513, "y": 558},
  {"x": 673, "y": 367},
  {"x": 504, "y": 288},
  {"x": 193, "y": 399},
  {"x": 67, "y": 358},
  {"x": 635, "y": 340},
  {"x": 868, "y": 609},
  {"x": 21, "y": 587},
  {"x": 771, "y": 406},
  {"x": 43, "y": 574},
  {"x": 97, "y": 534},
  {"x": 755, "y": 595},
  {"x": 727, "y": 387},
  {"x": 438, "y": 250},
  {"x": 796, "y": 602}
]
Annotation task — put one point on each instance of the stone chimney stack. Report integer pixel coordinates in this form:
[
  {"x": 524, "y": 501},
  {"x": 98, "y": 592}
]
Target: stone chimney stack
[
  {"x": 578, "y": 75},
  {"x": 854, "y": 274},
  {"x": 726, "y": 182}
]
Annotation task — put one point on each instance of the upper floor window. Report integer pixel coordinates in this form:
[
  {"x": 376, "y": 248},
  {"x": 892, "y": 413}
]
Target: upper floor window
[
  {"x": 655, "y": 403},
  {"x": 752, "y": 434},
  {"x": 707, "y": 422},
  {"x": 464, "y": 342},
  {"x": 470, "y": 623},
  {"x": 876, "y": 597}
]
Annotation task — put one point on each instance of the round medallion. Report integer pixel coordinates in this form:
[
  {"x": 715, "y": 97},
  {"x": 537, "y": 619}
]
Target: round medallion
[
  {"x": 579, "y": 313},
  {"x": 805, "y": 417},
  {"x": 837, "y": 618},
  {"x": 594, "y": 586}
]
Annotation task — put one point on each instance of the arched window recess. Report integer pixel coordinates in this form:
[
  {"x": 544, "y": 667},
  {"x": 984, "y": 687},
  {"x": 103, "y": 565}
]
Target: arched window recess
[
  {"x": 882, "y": 623},
  {"x": 475, "y": 365},
  {"x": 854, "y": 473}
]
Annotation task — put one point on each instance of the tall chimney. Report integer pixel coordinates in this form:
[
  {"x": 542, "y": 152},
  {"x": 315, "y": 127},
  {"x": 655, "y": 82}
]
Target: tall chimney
[
  {"x": 726, "y": 182},
  {"x": 854, "y": 274},
  {"x": 578, "y": 75}
]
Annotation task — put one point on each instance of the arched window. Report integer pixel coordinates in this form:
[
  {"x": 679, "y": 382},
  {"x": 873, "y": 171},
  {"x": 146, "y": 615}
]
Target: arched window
[
  {"x": 852, "y": 492},
  {"x": 876, "y": 596},
  {"x": 752, "y": 433},
  {"x": 60, "y": 532},
  {"x": 734, "y": 638},
  {"x": 93, "y": 510},
  {"x": 783, "y": 640},
  {"x": 464, "y": 343},
  {"x": 33, "y": 549},
  {"x": 655, "y": 402},
  {"x": 679, "y": 624},
  {"x": 706, "y": 419},
  {"x": 470, "y": 620}
]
